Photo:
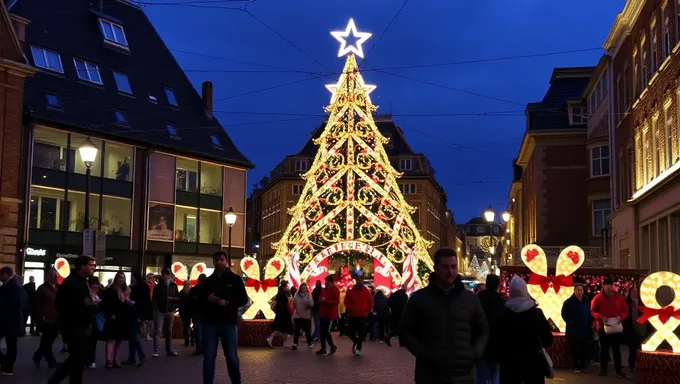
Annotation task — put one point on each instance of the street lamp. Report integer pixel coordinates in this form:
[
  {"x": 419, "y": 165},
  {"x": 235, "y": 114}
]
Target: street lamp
[
  {"x": 506, "y": 216},
  {"x": 230, "y": 219},
  {"x": 490, "y": 215},
  {"x": 88, "y": 153}
]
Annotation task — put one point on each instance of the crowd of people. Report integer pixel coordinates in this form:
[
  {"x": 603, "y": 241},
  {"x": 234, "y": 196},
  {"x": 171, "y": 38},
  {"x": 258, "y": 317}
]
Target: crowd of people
[{"x": 456, "y": 335}]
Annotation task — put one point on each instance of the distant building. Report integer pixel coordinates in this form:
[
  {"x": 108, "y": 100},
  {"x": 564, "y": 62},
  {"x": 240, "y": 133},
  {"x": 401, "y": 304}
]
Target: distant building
[{"x": 482, "y": 239}]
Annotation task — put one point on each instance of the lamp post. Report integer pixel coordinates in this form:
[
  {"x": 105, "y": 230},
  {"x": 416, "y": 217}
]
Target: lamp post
[
  {"x": 88, "y": 153},
  {"x": 230, "y": 219},
  {"x": 489, "y": 216}
]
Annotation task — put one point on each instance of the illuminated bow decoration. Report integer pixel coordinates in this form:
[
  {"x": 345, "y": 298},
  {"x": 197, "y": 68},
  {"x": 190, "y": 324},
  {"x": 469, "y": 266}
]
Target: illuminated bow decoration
[
  {"x": 264, "y": 284},
  {"x": 664, "y": 314},
  {"x": 557, "y": 282}
]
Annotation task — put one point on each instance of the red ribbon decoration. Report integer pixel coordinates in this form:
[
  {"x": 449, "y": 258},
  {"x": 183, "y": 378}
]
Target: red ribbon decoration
[
  {"x": 557, "y": 282},
  {"x": 664, "y": 313},
  {"x": 264, "y": 284}
]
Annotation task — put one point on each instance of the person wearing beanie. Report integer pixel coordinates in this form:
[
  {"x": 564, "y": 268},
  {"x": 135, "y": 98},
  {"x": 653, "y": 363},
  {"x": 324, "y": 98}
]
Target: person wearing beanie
[
  {"x": 524, "y": 330},
  {"x": 609, "y": 309},
  {"x": 443, "y": 325}
]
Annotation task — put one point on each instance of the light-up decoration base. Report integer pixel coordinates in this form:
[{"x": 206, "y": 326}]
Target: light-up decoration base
[
  {"x": 254, "y": 333},
  {"x": 550, "y": 292},
  {"x": 261, "y": 292},
  {"x": 559, "y": 352},
  {"x": 654, "y": 366}
]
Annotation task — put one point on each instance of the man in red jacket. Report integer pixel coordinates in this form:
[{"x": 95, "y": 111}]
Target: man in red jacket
[
  {"x": 329, "y": 298},
  {"x": 608, "y": 307},
  {"x": 358, "y": 303}
]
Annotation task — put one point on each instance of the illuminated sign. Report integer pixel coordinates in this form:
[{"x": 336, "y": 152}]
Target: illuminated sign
[
  {"x": 261, "y": 292},
  {"x": 664, "y": 319},
  {"x": 36, "y": 252}
]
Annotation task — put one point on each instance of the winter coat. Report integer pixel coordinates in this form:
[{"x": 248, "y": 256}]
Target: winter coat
[
  {"x": 381, "y": 306},
  {"x": 608, "y": 306},
  {"x": 45, "y": 299},
  {"x": 524, "y": 331},
  {"x": 282, "y": 321},
  {"x": 634, "y": 333},
  {"x": 161, "y": 292},
  {"x": 329, "y": 298},
  {"x": 358, "y": 301},
  {"x": 184, "y": 303},
  {"x": 397, "y": 302},
  {"x": 445, "y": 331},
  {"x": 117, "y": 315},
  {"x": 142, "y": 308},
  {"x": 494, "y": 307},
  {"x": 576, "y": 313},
  {"x": 13, "y": 308},
  {"x": 315, "y": 295},
  {"x": 303, "y": 304}
]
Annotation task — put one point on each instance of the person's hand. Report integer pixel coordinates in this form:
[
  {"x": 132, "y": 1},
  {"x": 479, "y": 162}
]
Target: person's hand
[
  {"x": 618, "y": 319},
  {"x": 605, "y": 319},
  {"x": 212, "y": 298},
  {"x": 221, "y": 302}
]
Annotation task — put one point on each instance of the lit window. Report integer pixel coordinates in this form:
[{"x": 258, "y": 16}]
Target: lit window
[
  {"x": 171, "y": 129},
  {"x": 52, "y": 100},
  {"x": 87, "y": 71},
  {"x": 122, "y": 82},
  {"x": 215, "y": 141},
  {"x": 113, "y": 32},
  {"x": 405, "y": 165},
  {"x": 599, "y": 165},
  {"x": 121, "y": 117},
  {"x": 666, "y": 37},
  {"x": 655, "y": 63},
  {"x": 170, "y": 95},
  {"x": 643, "y": 58},
  {"x": 44, "y": 58},
  {"x": 408, "y": 189},
  {"x": 601, "y": 211},
  {"x": 153, "y": 99},
  {"x": 300, "y": 165},
  {"x": 669, "y": 136}
]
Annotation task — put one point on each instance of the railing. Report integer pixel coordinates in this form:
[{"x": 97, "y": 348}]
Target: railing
[{"x": 594, "y": 257}]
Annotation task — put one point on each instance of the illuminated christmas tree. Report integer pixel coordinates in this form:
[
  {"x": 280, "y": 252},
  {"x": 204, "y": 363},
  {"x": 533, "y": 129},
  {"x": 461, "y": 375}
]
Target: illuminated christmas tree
[
  {"x": 474, "y": 269},
  {"x": 351, "y": 200},
  {"x": 484, "y": 271}
]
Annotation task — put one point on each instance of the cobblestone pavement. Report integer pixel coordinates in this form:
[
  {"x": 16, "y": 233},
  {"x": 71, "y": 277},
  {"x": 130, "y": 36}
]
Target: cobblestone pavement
[{"x": 379, "y": 365}]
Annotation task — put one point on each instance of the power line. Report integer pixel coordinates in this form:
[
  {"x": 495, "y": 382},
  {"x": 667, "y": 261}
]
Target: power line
[{"x": 384, "y": 31}]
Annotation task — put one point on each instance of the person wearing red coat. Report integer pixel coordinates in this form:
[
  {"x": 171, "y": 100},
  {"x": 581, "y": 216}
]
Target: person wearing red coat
[
  {"x": 609, "y": 309},
  {"x": 358, "y": 303},
  {"x": 329, "y": 298}
]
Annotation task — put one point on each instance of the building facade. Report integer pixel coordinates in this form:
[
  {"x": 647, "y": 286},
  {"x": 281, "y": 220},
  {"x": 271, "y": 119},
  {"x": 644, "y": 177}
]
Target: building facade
[
  {"x": 644, "y": 43},
  {"x": 483, "y": 240},
  {"x": 552, "y": 172},
  {"x": 166, "y": 171},
  {"x": 13, "y": 72},
  {"x": 281, "y": 190}
]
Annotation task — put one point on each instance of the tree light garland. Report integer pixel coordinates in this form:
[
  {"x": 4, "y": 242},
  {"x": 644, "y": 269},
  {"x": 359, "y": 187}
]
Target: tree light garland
[
  {"x": 261, "y": 292},
  {"x": 550, "y": 292},
  {"x": 664, "y": 319}
]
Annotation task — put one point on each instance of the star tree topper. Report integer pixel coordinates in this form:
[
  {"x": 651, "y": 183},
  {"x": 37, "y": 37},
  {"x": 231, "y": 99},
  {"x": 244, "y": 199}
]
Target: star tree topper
[{"x": 345, "y": 49}]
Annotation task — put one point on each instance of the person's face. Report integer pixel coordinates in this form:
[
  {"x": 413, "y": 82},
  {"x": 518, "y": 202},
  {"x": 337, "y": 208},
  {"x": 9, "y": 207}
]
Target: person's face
[
  {"x": 220, "y": 262},
  {"x": 94, "y": 286},
  {"x": 119, "y": 279},
  {"x": 165, "y": 276},
  {"x": 149, "y": 278},
  {"x": 608, "y": 289},
  {"x": 303, "y": 288},
  {"x": 87, "y": 270},
  {"x": 578, "y": 291},
  {"x": 286, "y": 287},
  {"x": 31, "y": 279},
  {"x": 481, "y": 287},
  {"x": 634, "y": 293},
  {"x": 329, "y": 283},
  {"x": 52, "y": 277},
  {"x": 447, "y": 270}
]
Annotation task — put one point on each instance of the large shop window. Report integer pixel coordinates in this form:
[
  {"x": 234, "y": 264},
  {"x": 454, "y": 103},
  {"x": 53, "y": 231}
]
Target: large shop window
[
  {"x": 79, "y": 165},
  {"x": 118, "y": 162},
  {"x": 186, "y": 224},
  {"x": 46, "y": 206},
  {"x": 187, "y": 175},
  {"x": 211, "y": 227},
  {"x": 116, "y": 216},
  {"x": 50, "y": 149},
  {"x": 75, "y": 210},
  {"x": 211, "y": 179}
]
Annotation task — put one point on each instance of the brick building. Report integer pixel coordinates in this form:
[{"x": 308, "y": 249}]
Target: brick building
[
  {"x": 281, "y": 190},
  {"x": 549, "y": 202},
  {"x": 13, "y": 71},
  {"x": 644, "y": 43}
]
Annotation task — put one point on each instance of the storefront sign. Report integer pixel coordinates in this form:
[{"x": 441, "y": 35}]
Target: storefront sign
[
  {"x": 100, "y": 247},
  {"x": 88, "y": 242},
  {"x": 36, "y": 252},
  {"x": 67, "y": 256}
]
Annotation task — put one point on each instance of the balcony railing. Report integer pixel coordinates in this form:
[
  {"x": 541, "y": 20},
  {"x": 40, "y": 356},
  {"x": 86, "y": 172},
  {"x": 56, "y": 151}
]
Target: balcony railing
[{"x": 594, "y": 257}]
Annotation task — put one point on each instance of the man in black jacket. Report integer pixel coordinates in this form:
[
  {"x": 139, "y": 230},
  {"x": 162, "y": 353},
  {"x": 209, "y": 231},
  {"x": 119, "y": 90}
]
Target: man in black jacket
[
  {"x": 12, "y": 321},
  {"x": 220, "y": 296},
  {"x": 315, "y": 309},
  {"x": 75, "y": 310},
  {"x": 397, "y": 302},
  {"x": 494, "y": 306},
  {"x": 30, "y": 289},
  {"x": 164, "y": 302}
]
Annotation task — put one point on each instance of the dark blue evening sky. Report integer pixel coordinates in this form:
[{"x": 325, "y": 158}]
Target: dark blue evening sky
[{"x": 425, "y": 32}]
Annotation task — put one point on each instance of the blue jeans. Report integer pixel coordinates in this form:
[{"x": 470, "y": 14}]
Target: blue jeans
[
  {"x": 198, "y": 332},
  {"x": 163, "y": 323},
  {"x": 315, "y": 336},
  {"x": 486, "y": 372},
  {"x": 134, "y": 344},
  {"x": 228, "y": 335}
]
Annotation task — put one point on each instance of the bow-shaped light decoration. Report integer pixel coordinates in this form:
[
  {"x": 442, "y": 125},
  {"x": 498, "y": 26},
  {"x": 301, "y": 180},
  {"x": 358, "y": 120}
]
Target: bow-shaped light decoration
[
  {"x": 261, "y": 291},
  {"x": 664, "y": 319},
  {"x": 550, "y": 292}
]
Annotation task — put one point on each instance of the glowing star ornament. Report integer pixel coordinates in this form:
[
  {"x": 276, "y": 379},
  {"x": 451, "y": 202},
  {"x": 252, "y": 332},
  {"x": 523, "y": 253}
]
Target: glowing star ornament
[
  {"x": 355, "y": 48},
  {"x": 333, "y": 89},
  {"x": 664, "y": 319},
  {"x": 550, "y": 292},
  {"x": 261, "y": 292}
]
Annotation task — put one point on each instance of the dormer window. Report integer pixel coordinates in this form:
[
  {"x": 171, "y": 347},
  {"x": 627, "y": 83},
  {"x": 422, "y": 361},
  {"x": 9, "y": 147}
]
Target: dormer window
[
  {"x": 153, "y": 99},
  {"x": 113, "y": 33},
  {"x": 215, "y": 141},
  {"x": 122, "y": 82},
  {"x": 87, "y": 71},
  {"x": 44, "y": 58},
  {"x": 170, "y": 95},
  {"x": 577, "y": 114},
  {"x": 405, "y": 165},
  {"x": 52, "y": 100},
  {"x": 300, "y": 165},
  {"x": 121, "y": 117},
  {"x": 172, "y": 130}
]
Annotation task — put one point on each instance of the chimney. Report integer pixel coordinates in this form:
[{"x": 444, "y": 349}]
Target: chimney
[{"x": 207, "y": 96}]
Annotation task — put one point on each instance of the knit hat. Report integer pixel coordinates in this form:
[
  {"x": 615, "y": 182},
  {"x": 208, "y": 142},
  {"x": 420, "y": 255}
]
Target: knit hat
[
  {"x": 518, "y": 287},
  {"x": 607, "y": 281}
]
